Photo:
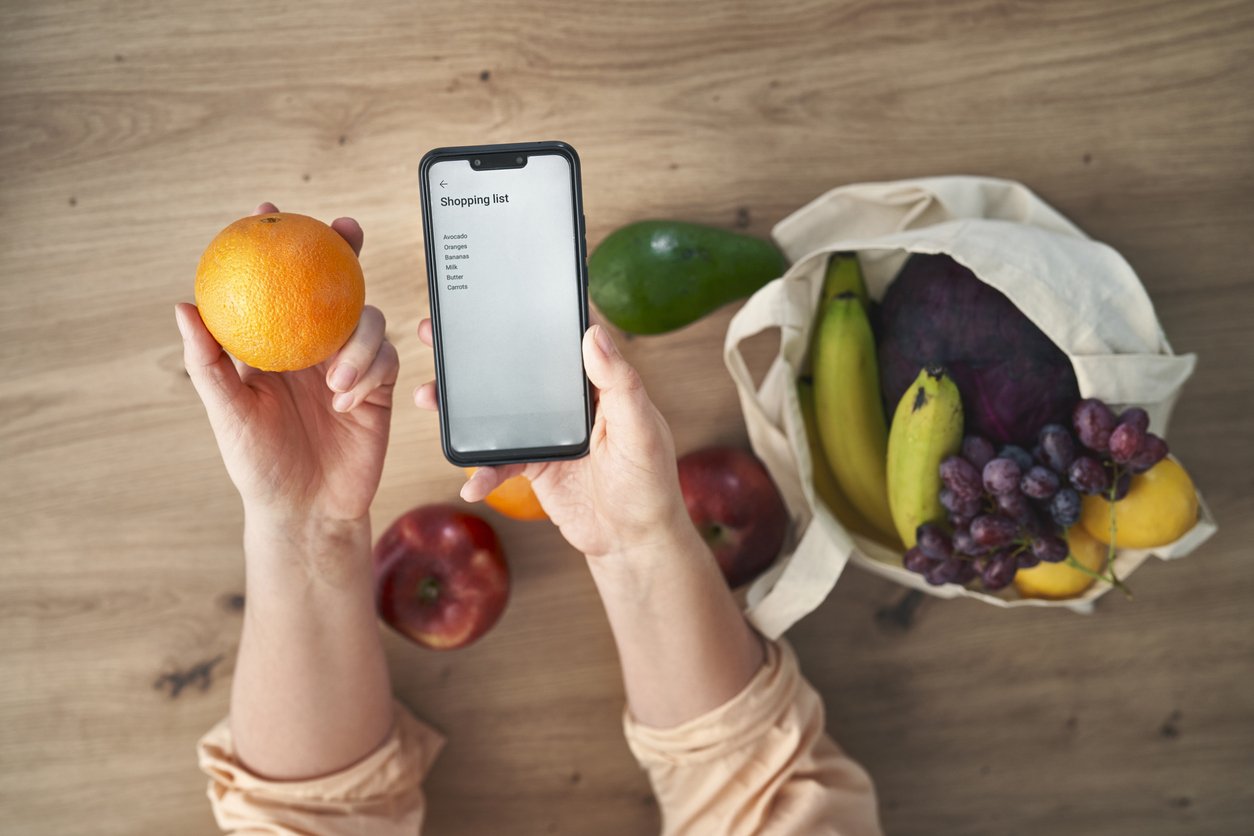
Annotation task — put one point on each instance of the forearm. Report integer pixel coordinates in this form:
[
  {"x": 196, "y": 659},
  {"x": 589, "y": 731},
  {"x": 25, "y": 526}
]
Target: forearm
[
  {"x": 684, "y": 645},
  {"x": 311, "y": 692}
]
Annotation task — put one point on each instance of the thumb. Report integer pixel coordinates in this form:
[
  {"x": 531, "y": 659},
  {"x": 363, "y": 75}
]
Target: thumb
[
  {"x": 623, "y": 398},
  {"x": 210, "y": 368}
]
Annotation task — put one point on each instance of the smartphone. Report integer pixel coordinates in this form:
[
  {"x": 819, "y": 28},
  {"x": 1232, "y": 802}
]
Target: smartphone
[{"x": 507, "y": 278}]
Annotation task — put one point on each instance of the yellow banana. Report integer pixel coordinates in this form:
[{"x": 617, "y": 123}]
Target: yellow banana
[
  {"x": 825, "y": 484},
  {"x": 849, "y": 410},
  {"x": 844, "y": 275},
  {"x": 926, "y": 428}
]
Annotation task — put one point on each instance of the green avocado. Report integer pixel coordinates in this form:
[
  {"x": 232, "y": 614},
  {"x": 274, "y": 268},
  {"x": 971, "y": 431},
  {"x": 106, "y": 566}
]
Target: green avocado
[{"x": 656, "y": 276}]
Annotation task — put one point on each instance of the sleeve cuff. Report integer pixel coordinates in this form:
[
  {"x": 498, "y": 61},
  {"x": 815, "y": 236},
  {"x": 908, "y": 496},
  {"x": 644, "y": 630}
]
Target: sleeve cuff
[
  {"x": 385, "y": 786},
  {"x": 737, "y": 723}
]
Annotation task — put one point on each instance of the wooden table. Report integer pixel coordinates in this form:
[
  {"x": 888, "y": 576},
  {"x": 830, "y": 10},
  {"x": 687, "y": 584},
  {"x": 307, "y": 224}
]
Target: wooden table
[{"x": 131, "y": 132}]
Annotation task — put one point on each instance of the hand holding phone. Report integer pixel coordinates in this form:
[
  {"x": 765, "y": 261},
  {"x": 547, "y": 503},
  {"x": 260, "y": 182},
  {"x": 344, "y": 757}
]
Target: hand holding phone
[
  {"x": 507, "y": 281},
  {"x": 624, "y": 495}
]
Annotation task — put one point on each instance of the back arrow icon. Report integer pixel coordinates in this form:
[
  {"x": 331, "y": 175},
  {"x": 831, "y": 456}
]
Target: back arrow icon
[{"x": 441, "y": 184}]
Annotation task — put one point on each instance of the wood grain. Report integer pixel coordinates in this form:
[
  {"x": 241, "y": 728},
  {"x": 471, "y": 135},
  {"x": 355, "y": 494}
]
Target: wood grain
[{"x": 130, "y": 132}]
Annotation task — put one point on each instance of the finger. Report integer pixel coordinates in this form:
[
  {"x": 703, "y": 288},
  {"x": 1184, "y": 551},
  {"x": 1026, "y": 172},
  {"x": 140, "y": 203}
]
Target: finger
[
  {"x": 211, "y": 369},
  {"x": 350, "y": 231},
  {"x": 486, "y": 479},
  {"x": 620, "y": 391},
  {"x": 425, "y": 397},
  {"x": 266, "y": 208},
  {"x": 346, "y": 367},
  {"x": 424, "y": 332},
  {"x": 375, "y": 386}
]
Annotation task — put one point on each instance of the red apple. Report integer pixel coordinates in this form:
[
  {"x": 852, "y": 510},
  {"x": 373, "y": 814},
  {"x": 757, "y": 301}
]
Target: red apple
[
  {"x": 736, "y": 508},
  {"x": 441, "y": 579}
]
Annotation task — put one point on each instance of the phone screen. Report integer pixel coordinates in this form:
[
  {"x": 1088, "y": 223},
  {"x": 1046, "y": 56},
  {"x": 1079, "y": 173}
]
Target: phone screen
[{"x": 509, "y": 303}]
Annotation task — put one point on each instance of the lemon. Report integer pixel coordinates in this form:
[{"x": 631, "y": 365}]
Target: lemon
[
  {"x": 1160, "y": 507},
  {"x": 1058, "y": 580}
]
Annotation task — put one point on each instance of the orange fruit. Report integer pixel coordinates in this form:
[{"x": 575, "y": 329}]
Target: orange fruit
[
  {"x": 515, "y": 499},
  {"x": 280, "y": 291},
  {"x": 1058, "y": 580},
  {"x": 1160, "y": 507}
]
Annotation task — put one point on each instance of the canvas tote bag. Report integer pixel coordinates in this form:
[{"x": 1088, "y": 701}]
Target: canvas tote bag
[{"x": 1080, "y": 292}]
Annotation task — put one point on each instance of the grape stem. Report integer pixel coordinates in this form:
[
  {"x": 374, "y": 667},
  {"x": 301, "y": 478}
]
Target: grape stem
[
  {"x": 1109, "y": 576},
  {"x": 1114, "y": 527},
  {"x": 1101, "y": 576}
]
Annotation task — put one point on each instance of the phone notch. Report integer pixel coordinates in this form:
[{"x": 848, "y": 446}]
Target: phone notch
[{"x": 495, "y": 162}]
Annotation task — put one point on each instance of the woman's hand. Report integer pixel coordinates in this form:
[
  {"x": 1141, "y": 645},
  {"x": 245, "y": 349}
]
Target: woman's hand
[
  {"x": 683, "y": 644},
  {"x": 624, "y": 495},
  {"x": 304, "y": 446}
]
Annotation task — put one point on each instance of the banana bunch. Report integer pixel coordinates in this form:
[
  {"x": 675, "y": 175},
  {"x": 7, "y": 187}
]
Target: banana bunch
[
  {"x": 926, "y": 428},
  {"x": 877, "y": 482}
]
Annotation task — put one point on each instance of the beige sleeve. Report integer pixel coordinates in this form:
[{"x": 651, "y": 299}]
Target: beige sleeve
[
  {"x": 381, "y": 794},
  {"x": 759, "y": 764}
]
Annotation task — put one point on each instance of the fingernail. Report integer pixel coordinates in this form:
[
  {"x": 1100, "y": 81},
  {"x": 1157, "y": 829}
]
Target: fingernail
[
  {"x": 341, "y": 402},
  {"x": 178, "y": 320},
  {"x": 467, "y": 484},
  {"x": 604, "y": 342},
  {"x": 343, "y": 377}
]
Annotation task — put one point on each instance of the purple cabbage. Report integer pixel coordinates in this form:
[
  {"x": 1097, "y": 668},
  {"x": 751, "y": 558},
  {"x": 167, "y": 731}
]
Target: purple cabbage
[{"x": 1012, "y": 378}]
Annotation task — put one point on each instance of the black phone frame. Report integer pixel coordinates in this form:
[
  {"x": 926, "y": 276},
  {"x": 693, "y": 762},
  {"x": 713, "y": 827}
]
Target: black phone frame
[{"x": 466, "y": 152}]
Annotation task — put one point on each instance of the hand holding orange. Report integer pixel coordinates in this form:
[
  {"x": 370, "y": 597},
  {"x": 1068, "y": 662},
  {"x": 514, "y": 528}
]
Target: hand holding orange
[
  {"x": 300, "y": 445},
  {"x": 280, "y": 291}
]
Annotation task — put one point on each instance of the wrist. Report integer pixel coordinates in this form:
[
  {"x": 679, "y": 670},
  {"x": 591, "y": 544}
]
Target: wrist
[
  {"x": 671, "y": 546},
  {"x": 318, "y": 547}
]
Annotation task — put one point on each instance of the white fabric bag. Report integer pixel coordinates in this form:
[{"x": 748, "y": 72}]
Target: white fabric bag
[{"x": 1080, "y": 292}]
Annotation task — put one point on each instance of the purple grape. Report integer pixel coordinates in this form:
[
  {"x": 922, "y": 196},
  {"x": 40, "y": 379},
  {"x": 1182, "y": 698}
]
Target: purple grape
[
  {"x": 916, "y": 561},
  {"x": 933, "y": 541},
  {"x": 1039, "y": 482},
  {"x": 955, "y": 505},
  {"x": 947, "y": 571},
  {"x": 1088, "y": 476},
  {"x": 1122, "y": 486},
  {"x": 1137, "y": 417},
  {"x": 1093, "y": 422},
  {"x": 1017, "y": 455},
  {"x": 961, "y": 477},
  {"x": 1026, "y": 559},
  {"x": 1057, "y": 447},
  {"x": 1065, "y": 508},
  {"x": 1153, "y": 450},
  {"x": 1002, "y": 476},
  {"x": 957, "y": 521},
  {"x": 1050, "y": 548},
  {"x": 999, "y": 572},
  {"x": 964, "y": 543},
  {"x": 978, "y": 450},
  {"x": 1016, "y": 506},
  {"x": 967, "y": 573},
  {"x": 1126, "y": 442},
  {"x": 993, "y": 531}
]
